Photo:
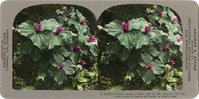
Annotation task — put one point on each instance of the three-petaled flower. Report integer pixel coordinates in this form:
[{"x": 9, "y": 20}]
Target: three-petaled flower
[
  {"x": 59, "y": 29},
  {"x": 147, "y": 28},
  {"x": 84, "y": 21},
  {"x": 165, "y": 48},
  {"x": 171, "y": 62},
  {"x": 70, "y": 14},
  {"x": 175, "y": 19},
  {"x": 61, "y": 67},
  {"x": 149, "y": 67},
  {"x": 91, "y": 39},
  {"x": 76, "y": 48},
  {"x": 180, "y": 39},
  {"x": 125, "y": 26},
  {"x": 160, "y": 14},
  {"x": 38, "y": 27},
  {"x": 82, "y": 63}
]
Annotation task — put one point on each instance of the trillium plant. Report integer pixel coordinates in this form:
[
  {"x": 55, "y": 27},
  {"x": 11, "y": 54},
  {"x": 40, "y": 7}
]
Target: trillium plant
[
  {"x": 58, "y": 46},
  {"x": 143, "y": 47}
]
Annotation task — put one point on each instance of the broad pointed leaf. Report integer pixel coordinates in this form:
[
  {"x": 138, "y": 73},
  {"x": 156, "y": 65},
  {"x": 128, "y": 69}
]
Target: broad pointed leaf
[
  {"x": 123, "y": 54},
  {"x": 148, "y": 76},
  {"x": 158, "y": 67},
  {"x": 164, "y": 57},
  {"x": 145, "y": 59},
  {"x": 50, "y": 24},
  {"x": 75, "y": 57},
  {"x": 57, "y": 59},
  {"x": 26, "y": 48},
  {"x": 94, "y": 50},
  {"x": 63, "y": 51},
  {"x": 60, "y": 77},
  {"x": 54, "y": 40},
  {"x": 40, "y": 39},
  {"x": 35, "y": 54},
  {"x": 141, "y": 40},
  {"x": 43, "y": 64},
  {"x": 69, "y": 67},
  {"x": 153, "y": 51},
  {"x": 26, "y": 28}
]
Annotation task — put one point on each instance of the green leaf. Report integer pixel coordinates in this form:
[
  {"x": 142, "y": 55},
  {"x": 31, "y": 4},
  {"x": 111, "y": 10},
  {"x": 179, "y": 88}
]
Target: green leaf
[
  {"x": 43, "y": 64},
  {"x": 83, "y": 79},
  {"x": 68, "y": 36},
  {"x": 142, "y": 39},
  {"x": 75, "y": 57},
  {"x": 51, "y": 70},
  {"x": 115, "y": 29},
  {"x": 35, "y": 54},
  {"x": 146, "y": 59},
  {"x": 94, "y": 50},
  {"x": 26, "y": 28},
  {"x": 158, "y": 67},
  {"x": 123, "y": 54},
  {"x": 69, "y": 67},
  {"x": 164, "y": 19},
  {"x": 50, "y": 24},
  {"x": 40, "y": 78},
  {"x": 174, "y": 27},
  {"x": 26, "y": 48},
  {"x": 131, "y": 73},
  {"x": 84, "y": 49},
  {"x": 132, "y": 64},
  {"x": 57, "y": 59},
  {"x": 171, "y": 14},
  {"x": 79, "y": 87},
  {"x": 116, "y": 88},
  {"x": 164, "y": 57},
  {"x": 60, "y": 76},
  {"x": 40, "y": 39},
  {"x": 148, "y": 76},
  {"x": 54, "y": 40},
  {"x": 157, "y": 35},
  {"x": 138, "y": 23},
  {"x": 153, "y": 51},
  {"x": 63, "y": 51},
  {"x": 174, "y": 49}
]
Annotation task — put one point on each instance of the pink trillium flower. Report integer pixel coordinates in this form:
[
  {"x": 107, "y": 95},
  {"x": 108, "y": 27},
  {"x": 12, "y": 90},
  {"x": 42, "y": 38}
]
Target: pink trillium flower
[
  {"x": 149, "y": 67},
  {"x": 160, "y": 14},
  {"x": 70, "y": 14},
  {"x": 147, "y": 28},
  {"x": 59, "y": 29},
  {"x": 165, "y": 48},
  {"x": 125, "y": 26},
  {"x": 82, "y": 63},
  {"x": 83, "y": 21},
  {"x": 91, "y": 39},
  {"x": 180, "y": 39},
  {"x": 61, "y": 67},
  {"x": 38, "y": 27},
  {"x": 171, "y": 62},
  {"x": 175, "y": 19},
  {"x": 76, "y": 48}
]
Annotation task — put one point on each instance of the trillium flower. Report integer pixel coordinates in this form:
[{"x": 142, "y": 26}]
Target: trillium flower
[
  {"x": 70, "y": 14},
  {"x": 147, "y": 28},
  {"x": 61, "y": 67},
  {"x": 82, "y": 63},
  {"x": 38, "y": 27},
  {"x": 175, "y": 19},
  {"x": 83, "y": 21},
  {"x": 76, "y": 48},
  {"x": 171, "y": 62},
  {"x": 59, "y": 29},
  {"x": 91, "y": 39},
  {"x": 180, "y": 39},
  {"x": 160, "y": 14},
  {"x": 165, "y": 48},
  {"x": 149, "y": 67},
  {"x": 125, "y": 26}
]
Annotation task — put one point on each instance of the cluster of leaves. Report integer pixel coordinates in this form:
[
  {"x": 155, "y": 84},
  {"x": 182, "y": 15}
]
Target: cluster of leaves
[
  {"x": 56, "y": 47},
  {"x": 142, "y": 46}
]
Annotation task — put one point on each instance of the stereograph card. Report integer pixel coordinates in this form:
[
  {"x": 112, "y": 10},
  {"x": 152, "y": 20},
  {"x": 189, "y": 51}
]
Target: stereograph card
[{"x": 99, "y": 49}]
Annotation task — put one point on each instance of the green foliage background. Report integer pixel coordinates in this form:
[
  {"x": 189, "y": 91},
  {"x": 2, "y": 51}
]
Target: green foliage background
[{"x": 116, "y": 62}]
